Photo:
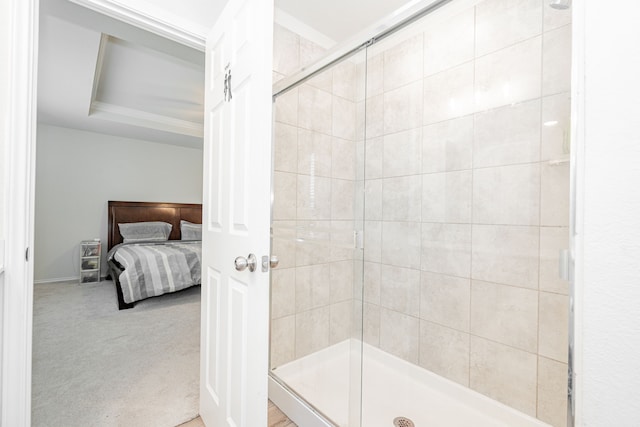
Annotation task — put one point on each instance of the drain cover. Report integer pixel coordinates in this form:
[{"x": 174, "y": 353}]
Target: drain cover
[{"x": 403, "y": 422}]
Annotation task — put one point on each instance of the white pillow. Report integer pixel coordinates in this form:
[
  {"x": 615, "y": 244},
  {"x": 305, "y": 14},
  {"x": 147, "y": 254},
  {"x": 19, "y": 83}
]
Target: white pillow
[
  {"x": 139, "y": 231},
  {"x": 190, "y": 231}
]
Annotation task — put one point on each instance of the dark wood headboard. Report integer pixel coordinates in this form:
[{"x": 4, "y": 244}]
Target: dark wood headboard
[{"x": 123, "y": 212}]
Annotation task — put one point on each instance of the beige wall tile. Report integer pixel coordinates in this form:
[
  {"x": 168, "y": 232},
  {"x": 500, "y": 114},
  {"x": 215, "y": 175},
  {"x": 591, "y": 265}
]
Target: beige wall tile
[
  {"x": 402, "y": 153},
  {"x": 312, "y": 331},
  {"x": 310, "y": 52},
  {"x": 445, "y": 300},
  {"x": 446, "y": 249},
  {"x": 439, "y": 52},
  {"x": 504, "y": 373},
  {"x": 400, "y": 289},
  {"x": 501, "y": 23},
  {"x": 315, "y": 109},
  {"x": 552, "y": 241},
  {"x": 285, "y": 143},
  {"x": 372, "y": 278},
  {"x": 373, "y": 241},
  {"x": 312, "y": 286},
  {"x": 286, "y": 107},
  {"x": 507, "y": 135},
  {"x": 447, "y": 146},
  {"x": 284, "y": 195},
  {"x": 284, "y": 242},
  {"x": 552, "y": 392},
  {"x": 556, "y": 126},
  {"x": 344, "y": 118},
  {"x": 505, "y": 314},
  {"x": 375, "y": 75},
  {"x": 506, "y": 254},
  {"x": 283, "y": 292},
  {"x": 314, "y": 153},
  {"x": 555, "y": 195},
  {"x": 371, "y": 324},
  {"x": 341, "y": 235},
  {"x": 342, "y": 281},
  {"x": 283, "y": 339},
  {"x": 508, "y": 76},
  {"x": 343, "y": 159},
  {"x": 446, "y": 197},
  {"x": 554, "y": 326},
  {"x": 314, "y": 197},
  {"x": 445, "y": 352},
  {"x": 401, "y": 198},
  {"x": 374, "y": 149},
  {"x": 401, "y": 244},
  {"x": 345, "y": 81},
  {"x": 373, "y": 199},
  {"x": 276, "y": 77},
  {"x": 375, "y": 107},
  {"x": 312, "y": 242},
  {"x": 556, "y": 61},
  {"x": 341, "y": 320},
  {"x": 343, "y": 196},
  {"x": 341, "y": 244},
  {"x": 449, "y": 94},
  {"x": 403, "y": 108},
  {"x": 403, "y": 63},
  {"x": 286, "y": 50},
  {"x": 507, "y": 195},
  {"x": 404, "y": 345}
]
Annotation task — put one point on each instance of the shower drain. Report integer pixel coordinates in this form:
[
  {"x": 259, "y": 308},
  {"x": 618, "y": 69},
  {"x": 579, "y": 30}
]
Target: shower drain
[{"x": 403, "y": 422}]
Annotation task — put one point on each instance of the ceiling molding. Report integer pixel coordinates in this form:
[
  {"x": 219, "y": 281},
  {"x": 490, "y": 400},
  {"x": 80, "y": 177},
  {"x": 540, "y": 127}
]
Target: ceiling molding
[
  {"x": 145, "y": 119},
  {"x": 116, "y": 9},
  {"x": 104, "y": 40},
  {"x": 295, "y": 25}
]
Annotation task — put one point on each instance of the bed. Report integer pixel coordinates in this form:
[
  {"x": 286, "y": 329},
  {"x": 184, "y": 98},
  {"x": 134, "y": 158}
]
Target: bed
[{"x": 175, "y": 263}]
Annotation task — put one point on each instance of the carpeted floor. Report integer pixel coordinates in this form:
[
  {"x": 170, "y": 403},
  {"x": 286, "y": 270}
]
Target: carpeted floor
[{"x": 96, "y": 366}]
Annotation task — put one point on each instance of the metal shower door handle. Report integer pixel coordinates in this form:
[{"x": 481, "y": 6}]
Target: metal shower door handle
[{"x": 242, "y": 263}]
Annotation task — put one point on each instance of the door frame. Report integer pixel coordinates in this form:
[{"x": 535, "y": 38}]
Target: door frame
[{"x": 19, "y": 187}]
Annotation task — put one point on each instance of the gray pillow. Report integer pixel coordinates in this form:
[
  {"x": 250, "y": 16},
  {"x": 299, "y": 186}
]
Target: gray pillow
[
  {"x": 139, "y": 231},
  {"x": 190, "y": 231}
]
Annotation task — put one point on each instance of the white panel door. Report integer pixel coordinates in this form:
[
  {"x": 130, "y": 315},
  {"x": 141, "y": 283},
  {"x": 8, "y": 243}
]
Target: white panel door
[{"x": 236, "y": 216}]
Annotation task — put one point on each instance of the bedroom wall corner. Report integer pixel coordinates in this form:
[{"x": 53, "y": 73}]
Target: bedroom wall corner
[{"x": 78, "y": 172}]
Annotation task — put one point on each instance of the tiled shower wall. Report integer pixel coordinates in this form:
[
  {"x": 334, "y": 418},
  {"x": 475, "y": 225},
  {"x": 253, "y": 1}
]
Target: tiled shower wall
[
  {"x": 314, "y": 203},
  {"x": 467, "y": 201},
  {"x": 466, "y": 185}
]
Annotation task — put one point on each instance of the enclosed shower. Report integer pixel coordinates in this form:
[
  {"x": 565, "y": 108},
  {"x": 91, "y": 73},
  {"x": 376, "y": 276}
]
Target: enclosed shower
[{"x": 420, "y": 207}]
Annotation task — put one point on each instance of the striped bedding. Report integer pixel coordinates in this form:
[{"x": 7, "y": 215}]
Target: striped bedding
[{"x": 156, "y": 268}]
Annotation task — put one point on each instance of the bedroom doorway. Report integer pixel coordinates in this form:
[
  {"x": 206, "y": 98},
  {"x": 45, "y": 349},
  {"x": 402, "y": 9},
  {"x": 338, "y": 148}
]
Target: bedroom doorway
[{"x": 96, "y": 329}]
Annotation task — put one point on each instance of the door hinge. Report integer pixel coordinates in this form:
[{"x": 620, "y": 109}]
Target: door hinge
[{"x": 26, "y": 255}]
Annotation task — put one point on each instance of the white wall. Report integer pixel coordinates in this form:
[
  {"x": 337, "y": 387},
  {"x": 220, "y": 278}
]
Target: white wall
[
  {"x": 4, "y": 87},
  {"x": 4, "y": 98},
  {"x": 78, "y": 172},
  {"x": 610, "y": 291}
]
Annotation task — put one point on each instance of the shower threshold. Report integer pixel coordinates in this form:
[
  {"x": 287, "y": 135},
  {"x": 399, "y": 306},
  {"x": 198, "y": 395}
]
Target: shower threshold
[{"x": 391, "y": 387}]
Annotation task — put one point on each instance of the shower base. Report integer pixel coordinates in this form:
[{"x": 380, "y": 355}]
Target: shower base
[{"x": 391, "y": 388}]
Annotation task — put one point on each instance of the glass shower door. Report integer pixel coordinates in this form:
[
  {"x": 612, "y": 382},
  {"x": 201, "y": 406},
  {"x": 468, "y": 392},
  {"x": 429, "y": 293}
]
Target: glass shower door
[{"x": 316, "y": 291}]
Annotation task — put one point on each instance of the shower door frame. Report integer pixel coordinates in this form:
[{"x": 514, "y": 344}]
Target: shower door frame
[{"x": 401, "y": 18}]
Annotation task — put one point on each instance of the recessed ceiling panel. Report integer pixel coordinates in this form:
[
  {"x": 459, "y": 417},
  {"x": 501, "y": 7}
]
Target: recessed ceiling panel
[{"x": 138, "y": 78}]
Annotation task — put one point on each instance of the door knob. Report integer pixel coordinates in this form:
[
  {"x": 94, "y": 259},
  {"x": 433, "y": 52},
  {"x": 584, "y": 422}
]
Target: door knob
[
  {"x": 242, "y": 263},
  {"x": 274, "y": 261},
  {"x": 269, "y": 261}
]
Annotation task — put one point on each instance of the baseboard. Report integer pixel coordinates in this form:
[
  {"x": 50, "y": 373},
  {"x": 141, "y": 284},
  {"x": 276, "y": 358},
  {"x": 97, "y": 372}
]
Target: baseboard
[{"x": 65, "y": 279}]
